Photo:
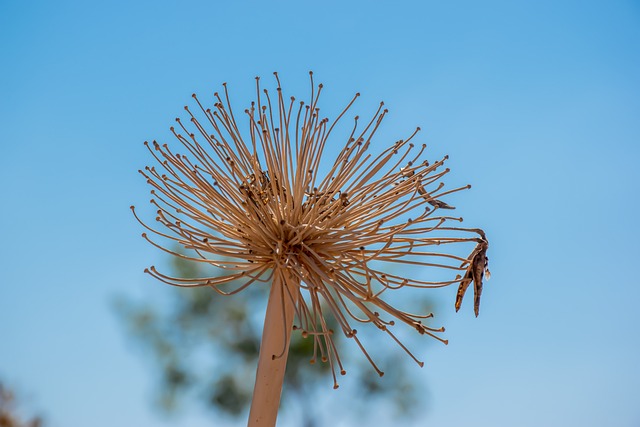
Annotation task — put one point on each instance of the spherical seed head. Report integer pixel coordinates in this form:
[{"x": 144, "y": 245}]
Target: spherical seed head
[{"x": 343, "y": 227}]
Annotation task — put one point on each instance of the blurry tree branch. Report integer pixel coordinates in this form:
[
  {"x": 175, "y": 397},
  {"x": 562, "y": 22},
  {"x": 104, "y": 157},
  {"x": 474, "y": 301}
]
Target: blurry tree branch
[
  {"x": 9, "y": 416},
  {"x": 206, "y": 345}
]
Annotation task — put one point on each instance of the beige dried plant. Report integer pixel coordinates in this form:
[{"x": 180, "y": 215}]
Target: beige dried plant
[{"x": 256, "y": 204}]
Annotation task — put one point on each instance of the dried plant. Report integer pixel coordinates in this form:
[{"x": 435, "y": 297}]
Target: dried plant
[{"x": 258, "y": 206}]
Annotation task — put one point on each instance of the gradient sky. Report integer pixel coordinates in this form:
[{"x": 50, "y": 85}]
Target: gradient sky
[{"x": 537, "y": 104}]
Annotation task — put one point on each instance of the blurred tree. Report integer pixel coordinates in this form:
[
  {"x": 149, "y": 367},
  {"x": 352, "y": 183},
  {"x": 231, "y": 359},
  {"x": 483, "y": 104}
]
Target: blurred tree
[
  {"x": 206, "y": 346},
  {"x": 9, "y": 413}
]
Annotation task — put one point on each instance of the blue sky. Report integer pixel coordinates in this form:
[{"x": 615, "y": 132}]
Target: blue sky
[{"x": 537, "y": 104}]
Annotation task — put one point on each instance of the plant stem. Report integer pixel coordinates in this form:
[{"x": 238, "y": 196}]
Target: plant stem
[{"x": 274, "y": 350}]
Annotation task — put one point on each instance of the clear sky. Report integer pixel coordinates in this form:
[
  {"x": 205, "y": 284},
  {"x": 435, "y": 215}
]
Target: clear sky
[{"x": 537, "y": 104}]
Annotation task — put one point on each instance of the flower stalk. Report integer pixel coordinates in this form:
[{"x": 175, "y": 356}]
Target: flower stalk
[{"x": 274, "y": 350}]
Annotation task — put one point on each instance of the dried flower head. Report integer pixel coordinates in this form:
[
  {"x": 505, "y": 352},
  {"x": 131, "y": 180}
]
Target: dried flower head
[{"x": 256, "y": 205}]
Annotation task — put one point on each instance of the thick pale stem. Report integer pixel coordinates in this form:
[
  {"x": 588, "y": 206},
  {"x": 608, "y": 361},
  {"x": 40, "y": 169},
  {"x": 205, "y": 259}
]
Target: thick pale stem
[{"x": 274, "y": 350}]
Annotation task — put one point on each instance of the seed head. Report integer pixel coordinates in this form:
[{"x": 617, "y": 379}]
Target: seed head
[{"x": 265, "y": 200}]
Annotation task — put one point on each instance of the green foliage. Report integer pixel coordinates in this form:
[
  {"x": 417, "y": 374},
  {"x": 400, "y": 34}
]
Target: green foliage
[{"x": 206, "y": 345}]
